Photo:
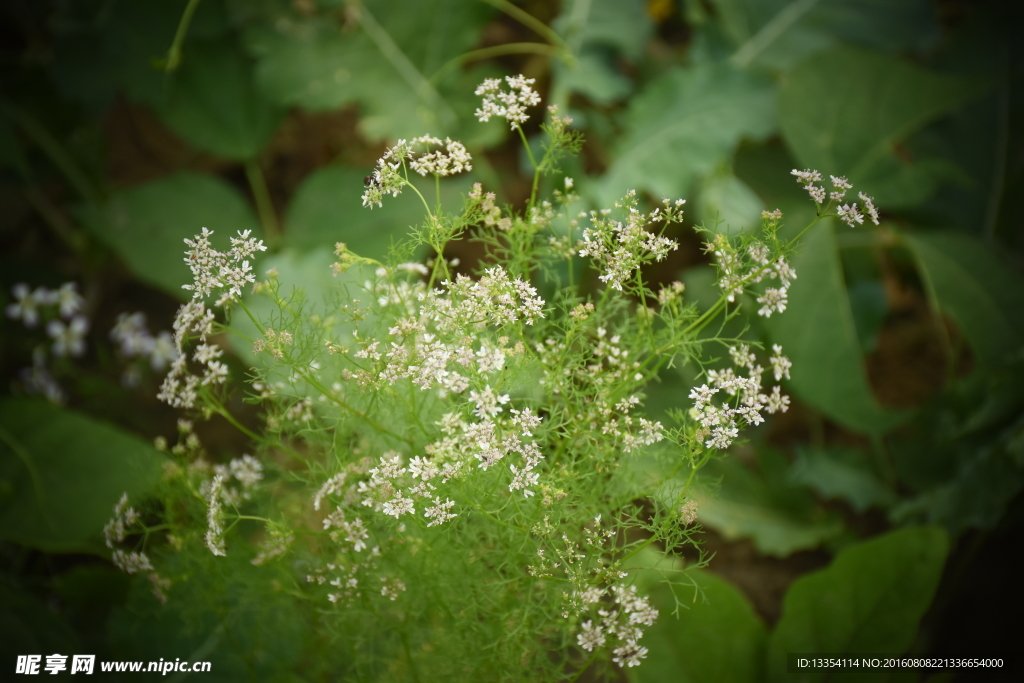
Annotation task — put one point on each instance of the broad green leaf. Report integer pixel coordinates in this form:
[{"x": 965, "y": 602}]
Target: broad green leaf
[
  {"x": 778, "y": 517},
  {"x": 845, "y": 112},
  {"x": 728, "y": 201},
  {"x": 146, "y": 224},
  {"x": 984, "y": 483},
  {"x": 594, "y": 75},
  {"x": 716, "y": 637},
  {"x": 818, "y": 335},
  {"x": 66, "y": 472},
  {"x": 870, "y": 599},
  {"x": 841, "y": 473},
  {"x": 684, "y": 124},
  {"x": 328, "y": 208},
  {"x": 623, "y": 25},
  {"x": 386, "y": 64},
  {"x": 966, "y": 280},
  {"x": 212, "y": 102},
  {"x": 779, "y": 33}
]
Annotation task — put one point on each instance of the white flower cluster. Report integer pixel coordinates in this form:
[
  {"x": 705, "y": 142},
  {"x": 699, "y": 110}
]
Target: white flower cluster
[
  {"x": 38, "y": 379},
  {"x": 248, "y": 472},
  {"x": 68, "y": 337},
  {"x": 738, "y": 269},
  {"x": 117, "y": 528},
  {"x": 131, "y": 562},
  {"x": 387, "y": 177},
  {"x": 507, "y": 105},
  {"x": 134, "y": 339},
  {"x": 27, "y": 302},
  {"x": 214, "y": 270},
  {"x": 214, "y": 517},
  {"x": 848, "y": 213},
  {"x": 457, "y": 159},
  {"x": 180, "y": 387},
  {"x": 276, "y": 546},
  {"x": 623, "y": 621},
  {"x": 494, "y": 299},
  {"x": 620, "y": 249},
  {"x": 720, "y": 424}
]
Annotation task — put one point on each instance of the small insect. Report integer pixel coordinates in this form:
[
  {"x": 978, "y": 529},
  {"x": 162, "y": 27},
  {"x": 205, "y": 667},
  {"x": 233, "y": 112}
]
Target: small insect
[{"x": 370, "y": 181}]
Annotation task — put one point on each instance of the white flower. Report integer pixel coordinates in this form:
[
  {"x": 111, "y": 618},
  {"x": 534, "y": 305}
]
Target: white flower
[
  {"x": 841, "y": 185},
  {"x": 26, "y": 306},
  {"x": 70, "y": 338},
  {"x": 772, "y": 301},
  {"x": 247, "y": 470},
  {"x": 508, "y": 105},
  {"x": 777, "y": 401},
  {"x": 850, "y": 214},
  {"x": 780, "y": 364},
  {"x": 440, "y": 512},
  {"x": 869, "y": 205},
  {"x": 591, "y": 637},
  {"x": 457, "y": 160}
]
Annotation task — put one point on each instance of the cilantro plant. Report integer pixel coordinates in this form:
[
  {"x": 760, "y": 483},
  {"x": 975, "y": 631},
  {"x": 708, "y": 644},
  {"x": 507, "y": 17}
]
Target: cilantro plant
[{"x": 443, "y": 451}]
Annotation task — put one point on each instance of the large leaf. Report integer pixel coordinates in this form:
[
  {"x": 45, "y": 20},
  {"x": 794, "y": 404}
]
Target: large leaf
[
  {"x": 212, "y": 102},
  {"x": 778, "y": 517},
  {"x": 716, "y": 637},
  {"x": 623, "y": 25},
  {"x": 779, "y": 33},
  {"x": 727, "y": 201},
  {"x": 966, "y": 281},
  {"x": 818, "y": 334},
  {"x": 328, "y": 208},
  {"x": 65, "y": 471},
  {"x": 146, "y": 224},
  {"x": 870, "y": 599},
  {"x": 841, "y": 473},
  {"x": 385, "y": 65},
  {"x": 846, "y": 111},
  {"x": 683, "y": 125}
]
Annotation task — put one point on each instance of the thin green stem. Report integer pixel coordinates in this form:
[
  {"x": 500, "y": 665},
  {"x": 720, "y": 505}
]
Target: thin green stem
[
  {"x": 264, "y": 205},
  {"x": 173, "y": 59},
  {"x": 219, "y": 408},
  {"x": 315, "y": 383},
  {"x": 531, "y": 22},
  {"x": 533, "y": 162},
  {"x": 491, "y": 52}
]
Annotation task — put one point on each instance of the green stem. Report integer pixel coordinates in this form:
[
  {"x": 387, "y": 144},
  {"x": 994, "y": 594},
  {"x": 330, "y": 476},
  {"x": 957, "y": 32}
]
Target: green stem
[
  {"x": 173, "y": 59},
  {"x": 219, "y": 408},
  {"x": 533, "y": 162},
  {"x": 315, "y": 383},
  {"x": 494, "y": 51},
  {"x": 531, "y": 22},
  {"x": 264, "y": 205}
]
